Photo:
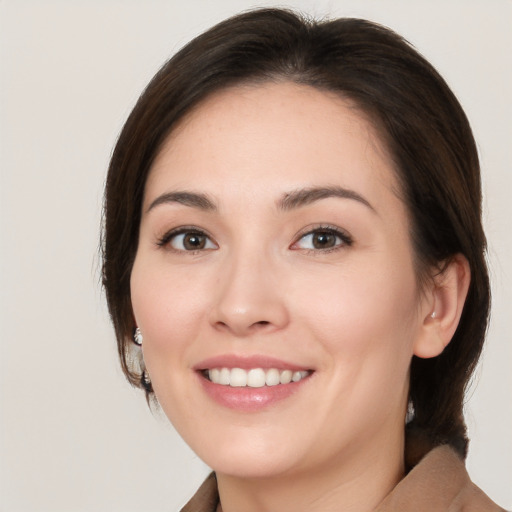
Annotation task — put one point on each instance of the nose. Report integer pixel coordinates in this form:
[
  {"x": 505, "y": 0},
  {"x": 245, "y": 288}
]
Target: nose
[{"x": 250, "y": 298}]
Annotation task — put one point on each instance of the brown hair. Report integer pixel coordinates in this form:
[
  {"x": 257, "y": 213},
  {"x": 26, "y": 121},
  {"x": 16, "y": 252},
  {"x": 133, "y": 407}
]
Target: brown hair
[{"x": 420, "y": 120}]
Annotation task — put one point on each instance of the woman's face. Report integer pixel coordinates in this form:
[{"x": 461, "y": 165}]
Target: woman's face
[{"x": 272, "y": 246}]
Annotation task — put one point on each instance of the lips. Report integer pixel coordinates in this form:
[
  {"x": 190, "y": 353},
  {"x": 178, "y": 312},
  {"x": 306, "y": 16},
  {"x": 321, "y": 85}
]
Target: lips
[{"x": 250, "y": 383}]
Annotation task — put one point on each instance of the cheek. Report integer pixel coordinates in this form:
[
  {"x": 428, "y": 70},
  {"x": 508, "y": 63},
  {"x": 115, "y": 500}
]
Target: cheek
[
  {"x": 365, "y": 323},
  {"x": 361, "y": 312},
  {"x": 168, "y": 307}
]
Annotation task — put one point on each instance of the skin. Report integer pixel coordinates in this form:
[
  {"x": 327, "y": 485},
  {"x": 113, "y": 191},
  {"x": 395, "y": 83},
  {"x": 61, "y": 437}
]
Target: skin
[{"x": 352, "y": 313}]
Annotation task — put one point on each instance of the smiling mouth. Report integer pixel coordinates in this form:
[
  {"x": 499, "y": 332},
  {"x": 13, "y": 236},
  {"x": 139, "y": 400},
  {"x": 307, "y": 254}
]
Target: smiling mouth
[{"x": 254, "y": 377}]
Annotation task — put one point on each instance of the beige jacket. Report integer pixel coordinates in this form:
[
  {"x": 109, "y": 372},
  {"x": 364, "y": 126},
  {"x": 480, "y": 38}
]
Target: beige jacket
[{"x": 438, "y": 483}]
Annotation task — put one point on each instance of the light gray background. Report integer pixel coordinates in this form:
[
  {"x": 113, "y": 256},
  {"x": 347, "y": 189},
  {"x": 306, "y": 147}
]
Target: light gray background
[{"x": 74, "y": 435}]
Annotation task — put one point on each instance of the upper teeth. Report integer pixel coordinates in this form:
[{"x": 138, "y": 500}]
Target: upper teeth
[{"x": 255, "y": 377}]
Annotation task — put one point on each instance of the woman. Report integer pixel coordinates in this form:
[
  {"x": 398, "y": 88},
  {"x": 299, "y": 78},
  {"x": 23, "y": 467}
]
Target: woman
[{"x": 293, "y": 243}]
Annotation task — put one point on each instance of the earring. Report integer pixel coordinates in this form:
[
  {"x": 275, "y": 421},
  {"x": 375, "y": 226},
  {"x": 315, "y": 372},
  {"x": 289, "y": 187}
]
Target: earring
[
  {"x": 137, "y": 337},
  {"x": 145, "y": 380},
  {"x": 433, "y": 315},
  {"x": 410, "y": 412}
]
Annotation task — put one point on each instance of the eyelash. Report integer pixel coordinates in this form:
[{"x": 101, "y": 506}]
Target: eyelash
[
  {"x": 346, "y": 239},
  {"x": 166, "y": 239}
]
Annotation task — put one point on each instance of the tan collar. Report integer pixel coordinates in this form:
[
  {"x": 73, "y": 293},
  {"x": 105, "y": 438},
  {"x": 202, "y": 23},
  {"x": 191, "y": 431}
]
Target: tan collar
[
  {"x": 206, "y": 498},
  {"x": 439, "y": 482}
]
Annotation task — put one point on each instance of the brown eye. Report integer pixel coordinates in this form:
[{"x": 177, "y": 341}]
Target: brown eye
[
  {"x": 190, "y": 241},
  {"x": 323, "y": 240},
  {"x": 193, "y": 241}
]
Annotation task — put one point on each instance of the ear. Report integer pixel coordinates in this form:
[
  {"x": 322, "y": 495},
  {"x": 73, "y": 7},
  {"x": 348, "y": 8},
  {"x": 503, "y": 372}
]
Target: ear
[{"x": 442, "y": 308}]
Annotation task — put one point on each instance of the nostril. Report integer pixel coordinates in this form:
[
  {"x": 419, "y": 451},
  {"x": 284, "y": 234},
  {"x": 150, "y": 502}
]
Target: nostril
[{"x": 262, "y": 322}]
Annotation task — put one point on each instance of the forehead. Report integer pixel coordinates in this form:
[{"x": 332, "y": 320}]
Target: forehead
[{"x": 277, "y": 135}]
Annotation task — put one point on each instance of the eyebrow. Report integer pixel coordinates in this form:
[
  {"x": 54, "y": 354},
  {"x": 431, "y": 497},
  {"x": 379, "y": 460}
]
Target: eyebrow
[
  {"x": 303, "y": 197},
  {"x": 289, "y": 201},
  {"x": 191, "y": 199}
]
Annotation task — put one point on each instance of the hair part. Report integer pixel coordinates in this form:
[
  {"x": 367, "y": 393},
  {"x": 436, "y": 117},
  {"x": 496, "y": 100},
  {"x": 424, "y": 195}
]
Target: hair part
[{"x": 421, "y": 124}]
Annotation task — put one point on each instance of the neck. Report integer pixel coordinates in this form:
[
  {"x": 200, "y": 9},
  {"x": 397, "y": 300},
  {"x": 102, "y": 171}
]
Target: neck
[{"x": 357, "y": 483}]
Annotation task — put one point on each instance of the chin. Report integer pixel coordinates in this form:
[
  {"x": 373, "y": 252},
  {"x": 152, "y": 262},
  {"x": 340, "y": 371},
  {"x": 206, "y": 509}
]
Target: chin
[
  {"x": 250, "y": 466},
  {"x": 249, "y": 456}
]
